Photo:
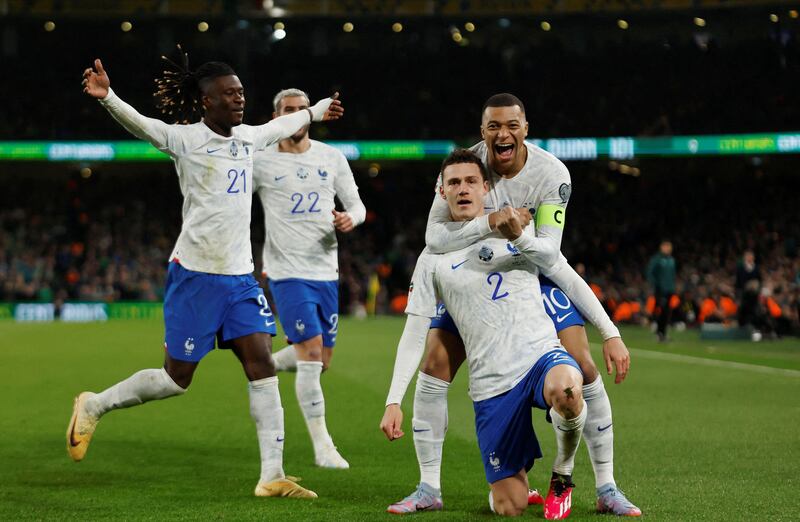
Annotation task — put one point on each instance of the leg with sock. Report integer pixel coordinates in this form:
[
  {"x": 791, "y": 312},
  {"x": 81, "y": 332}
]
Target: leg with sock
[
  {"x": 141, "y": 387},
  {"x": 312, "y": 403}
]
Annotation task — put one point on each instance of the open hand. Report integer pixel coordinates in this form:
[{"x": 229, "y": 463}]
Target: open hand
[{"x": 96, "y": 84}]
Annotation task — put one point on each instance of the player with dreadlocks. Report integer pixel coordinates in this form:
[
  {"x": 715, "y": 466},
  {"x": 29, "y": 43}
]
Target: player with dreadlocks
[{"x": 210, "y": 291}]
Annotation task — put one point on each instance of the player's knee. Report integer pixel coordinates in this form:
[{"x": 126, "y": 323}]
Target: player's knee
[
  {"x": 509, "y": 505},
  {"x": 565, "y": 392}
]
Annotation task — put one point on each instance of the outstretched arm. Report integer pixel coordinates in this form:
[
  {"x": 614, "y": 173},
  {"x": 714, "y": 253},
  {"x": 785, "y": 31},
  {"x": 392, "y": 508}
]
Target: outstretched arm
[
  {"x": 97, "y": 85},
  {"x": 284, "y": 126}
]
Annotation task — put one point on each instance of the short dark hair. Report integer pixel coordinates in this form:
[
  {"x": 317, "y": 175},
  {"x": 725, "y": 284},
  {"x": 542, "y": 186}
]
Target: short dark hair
[
  {"x": 179, "y": 91},
  {"x": 503, "y": 99},
  {"x": 464, "y": 156}
]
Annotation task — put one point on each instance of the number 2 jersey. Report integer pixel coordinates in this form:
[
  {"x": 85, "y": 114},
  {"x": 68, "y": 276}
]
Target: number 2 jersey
[
  {"x": 297, "y": 192},
  {"x": 492, "y": 292},
  {"x": 215, "y": 173}
]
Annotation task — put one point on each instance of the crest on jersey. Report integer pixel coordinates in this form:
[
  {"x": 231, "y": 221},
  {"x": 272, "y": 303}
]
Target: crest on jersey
[
  {"x": 411, "y": 287},
  {"x": 234, "y": 149},
  {"x": 323, "y": 174},
  {"x": 564, "y": 192},
  {"x": 302, "y": 173},
  {"x": 299, "y": 326},
  {"x": 485, "y": 254}
]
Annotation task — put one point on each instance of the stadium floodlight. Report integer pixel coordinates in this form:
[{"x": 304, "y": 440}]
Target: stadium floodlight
[
  {"x": 469, "y": 26},
  {"x": 202, "y": 27},
  {"x": 545, "y": 26},
  {"x": 279, "y": 34},
  {"x": 622, "y": 24},
  {"x": 49, "y": 26},
  {"x": 126, "y": 26},
  {"x": 774, "y": 18},
  {"x": 699, "y": 22},
  {"x": 348, "y": 27},
  {"x": 397, "y": 27}
]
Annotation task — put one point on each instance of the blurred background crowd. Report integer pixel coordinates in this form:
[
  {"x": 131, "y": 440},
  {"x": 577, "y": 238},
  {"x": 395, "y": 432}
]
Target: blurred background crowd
[{"x": 103, "y": 231}]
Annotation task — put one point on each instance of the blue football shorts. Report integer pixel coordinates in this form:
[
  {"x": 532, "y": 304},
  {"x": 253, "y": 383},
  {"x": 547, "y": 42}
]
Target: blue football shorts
[
  {"x": 199, "y": 307},
  {"x": 506, "y": 437},
  {"x": 307, "y": 309}
]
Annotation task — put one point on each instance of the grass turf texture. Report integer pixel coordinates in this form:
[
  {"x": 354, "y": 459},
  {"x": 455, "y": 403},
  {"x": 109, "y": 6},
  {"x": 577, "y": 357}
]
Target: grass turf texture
[{"x": 693, "y": 441}]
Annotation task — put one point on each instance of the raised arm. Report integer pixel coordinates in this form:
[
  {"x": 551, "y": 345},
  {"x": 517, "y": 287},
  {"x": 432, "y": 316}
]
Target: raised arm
[
  {"x": 284, "y": 126},
  {"x": 97, "y": 85}
]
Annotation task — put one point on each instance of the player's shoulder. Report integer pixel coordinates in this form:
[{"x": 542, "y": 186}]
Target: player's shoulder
[
  {"x": 545, "y": 163},
  {"x": 194, "y": 136},
  {"x": 480, "y": 150},
  {"x": 326, "y": 150}
]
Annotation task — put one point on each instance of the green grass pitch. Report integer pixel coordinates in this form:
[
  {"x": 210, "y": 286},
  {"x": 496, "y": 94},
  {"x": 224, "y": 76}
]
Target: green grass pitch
[{"x": 703, "y": 431}]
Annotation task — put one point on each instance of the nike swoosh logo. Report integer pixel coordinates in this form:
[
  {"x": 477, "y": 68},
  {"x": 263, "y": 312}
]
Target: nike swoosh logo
[
  {"x": 605, "y": 428},
  {"x": 420, "y": 431},
  {"x": 278, "y": 178},
  {"x": 211, "y": 151},
  {"x": 315, "y": 403},
  {"x": 560, "y": 318},
  {"x": 278, "y": 439},
  {"x": 459, "y": 264},
  {"x": 72, "y": 438}
]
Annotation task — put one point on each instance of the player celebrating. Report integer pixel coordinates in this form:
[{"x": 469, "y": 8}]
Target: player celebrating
[
  {"x": 210, "y": 290},
  {"x": 515, "y": 361},
  {"x": 297, "y": 180},
  {"x": 510, "y": 158}
]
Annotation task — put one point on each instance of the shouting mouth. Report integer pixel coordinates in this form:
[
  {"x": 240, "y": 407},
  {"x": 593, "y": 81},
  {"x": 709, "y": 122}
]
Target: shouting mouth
[{"x": 504, "y": 151}]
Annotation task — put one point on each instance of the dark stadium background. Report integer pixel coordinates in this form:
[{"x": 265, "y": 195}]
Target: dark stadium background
[{"x": 102, "y": 231}]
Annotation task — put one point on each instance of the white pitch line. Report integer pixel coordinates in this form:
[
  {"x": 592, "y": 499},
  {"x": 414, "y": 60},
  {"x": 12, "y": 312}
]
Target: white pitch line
[{"x": 647, "y": 354}]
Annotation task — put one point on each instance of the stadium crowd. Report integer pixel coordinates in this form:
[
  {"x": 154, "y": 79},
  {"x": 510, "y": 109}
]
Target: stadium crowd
[{"x": 107, "y": 237}]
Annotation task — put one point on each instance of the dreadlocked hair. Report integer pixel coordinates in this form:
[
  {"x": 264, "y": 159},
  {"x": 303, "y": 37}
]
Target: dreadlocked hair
[{"x": 179, "y": 91}]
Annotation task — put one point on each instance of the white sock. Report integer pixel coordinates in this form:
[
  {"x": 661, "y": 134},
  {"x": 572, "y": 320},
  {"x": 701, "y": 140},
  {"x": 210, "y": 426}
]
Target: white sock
[
  {"x": 598, "y": 433},
  {"x": 142, "y": 386},
  {"x": 568, "y": 436},
  {"x": 266, "y": 410},
  {"x": 429, "y": 425},
  {"x": 312, "y": 403},
  {"x": 286, "y": 359}
]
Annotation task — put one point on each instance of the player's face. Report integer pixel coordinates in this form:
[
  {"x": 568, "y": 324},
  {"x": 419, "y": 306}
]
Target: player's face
[
  {"x": 292, "y": 104},
  {"x": 224, "y": 101},
  {"x": 463, "y": 188},
  {"x": 504, "y": 130}
]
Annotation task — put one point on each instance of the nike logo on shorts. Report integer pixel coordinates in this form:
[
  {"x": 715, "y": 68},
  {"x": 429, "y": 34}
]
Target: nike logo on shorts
[
  {"x": 604, "y": 428},
  {"x": 420, "y": 431},
  {"x": 560, "y": 318}
]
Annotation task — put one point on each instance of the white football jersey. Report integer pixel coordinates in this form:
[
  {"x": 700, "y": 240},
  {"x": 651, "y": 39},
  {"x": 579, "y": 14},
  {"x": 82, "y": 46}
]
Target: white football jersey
[
  {"x": 297, "y": 192},
  {"x": 492, "y": 293},
  {"x": 216, "y": 179}
]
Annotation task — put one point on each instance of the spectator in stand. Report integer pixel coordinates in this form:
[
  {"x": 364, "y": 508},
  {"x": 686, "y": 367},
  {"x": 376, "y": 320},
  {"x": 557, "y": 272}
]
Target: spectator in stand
[{"x": 661, "y": 276}]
